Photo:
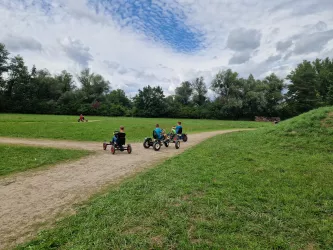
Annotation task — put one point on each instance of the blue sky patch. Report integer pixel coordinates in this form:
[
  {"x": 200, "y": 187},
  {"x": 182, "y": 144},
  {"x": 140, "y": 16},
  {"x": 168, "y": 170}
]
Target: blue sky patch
[{"x": 157, "y": 21}]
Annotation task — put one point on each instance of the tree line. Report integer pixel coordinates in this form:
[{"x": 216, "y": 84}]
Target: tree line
[{"x": 36, "y": 91}]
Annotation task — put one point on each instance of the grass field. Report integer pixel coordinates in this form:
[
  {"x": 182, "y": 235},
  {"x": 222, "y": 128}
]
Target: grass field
[
  {"x": 264, "y": 189},
  {"x": 101, "y": 128},
  {"x": 20, "y": 158}
]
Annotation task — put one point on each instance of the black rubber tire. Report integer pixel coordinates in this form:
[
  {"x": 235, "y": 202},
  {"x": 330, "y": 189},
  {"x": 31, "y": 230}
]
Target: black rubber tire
[
  {"x": 177, "y": 144},
  {"x": 184, "y": 138},
  {"x": 166, "y": 144},
  {"x": 129, "y": 148},
  {"x": 157, "y": 146},
  {"x": 146, "y": 144},
  {"x": 113, "y": 150}
]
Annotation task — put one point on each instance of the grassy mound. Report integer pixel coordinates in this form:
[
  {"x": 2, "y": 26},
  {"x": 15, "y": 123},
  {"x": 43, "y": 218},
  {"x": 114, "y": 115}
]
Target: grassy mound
[
  {"x": 318, "y": 121},
  {"x": 264, "y": 189}
]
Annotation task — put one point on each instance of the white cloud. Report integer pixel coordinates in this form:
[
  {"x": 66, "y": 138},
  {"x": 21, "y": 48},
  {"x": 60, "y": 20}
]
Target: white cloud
[{"x": 68, "y": 34}]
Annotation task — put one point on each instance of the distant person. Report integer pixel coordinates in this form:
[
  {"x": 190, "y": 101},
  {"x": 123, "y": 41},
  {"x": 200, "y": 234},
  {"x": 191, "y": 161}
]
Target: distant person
[
  {"x": 121, "y": 130},
  {"x": 179, "y": 128},
  {"x": 81, "y": 119}
]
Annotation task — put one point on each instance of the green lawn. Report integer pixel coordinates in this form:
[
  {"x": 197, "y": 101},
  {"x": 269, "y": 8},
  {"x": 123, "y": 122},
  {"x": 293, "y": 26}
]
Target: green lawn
[
  {"x": 101, "y": 128},
  {"x": 264, "y": 189},
  {"x": 19, "y": 158}
]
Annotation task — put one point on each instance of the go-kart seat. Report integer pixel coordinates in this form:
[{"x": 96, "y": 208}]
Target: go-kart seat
[
  {"x": 155, "y": 135},
  {"x": 121, "y": 138},
  {"x": 180, "y": 131}
]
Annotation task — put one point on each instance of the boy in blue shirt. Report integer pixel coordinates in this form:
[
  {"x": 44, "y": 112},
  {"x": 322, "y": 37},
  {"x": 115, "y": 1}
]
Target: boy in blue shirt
[
  {"x": 179, "y": 128},
  {"x": 159, "y": 131}
]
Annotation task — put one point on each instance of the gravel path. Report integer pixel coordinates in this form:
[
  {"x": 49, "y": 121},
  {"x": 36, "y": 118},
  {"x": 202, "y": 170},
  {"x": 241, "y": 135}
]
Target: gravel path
[{"x": 32, "y": 200}]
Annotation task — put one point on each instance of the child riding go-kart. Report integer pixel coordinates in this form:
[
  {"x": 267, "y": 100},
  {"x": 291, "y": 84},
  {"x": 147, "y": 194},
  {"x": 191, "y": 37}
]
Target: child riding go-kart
[
  {"x": 118, "y": 142},
  {"x": 81, "y": 119},
  {"x": 179, "y": 131},
  {"x": 159, "y": 139}
]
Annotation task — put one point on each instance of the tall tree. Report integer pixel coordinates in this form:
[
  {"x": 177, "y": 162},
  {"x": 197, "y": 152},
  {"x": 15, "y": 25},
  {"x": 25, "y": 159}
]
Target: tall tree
[
  {"x": 66, "y": 81},
  {"x": 93, "y": 85},
  {"x": 324, "y": 72},
  {"x": 228, "y": 87},
  {"x": 119, "y": 97},
  {"x": 226, "y": 84},
  {"x": 3, "y": 63},
  {"x": 199, "y": 91},
  {"x": 254, "y": 101},
  {"x": 273, "y": 94},
  {"x": 303, "y": 94},
  {"x": 183, "y": 93},
  {"x": 18, "y": 77},
  {"x": 16, "y": 88},
  {"x": 150, "y": 102}
]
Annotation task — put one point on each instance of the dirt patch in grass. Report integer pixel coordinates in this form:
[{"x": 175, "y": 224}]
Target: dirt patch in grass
[{"x": 328, "y": 121}]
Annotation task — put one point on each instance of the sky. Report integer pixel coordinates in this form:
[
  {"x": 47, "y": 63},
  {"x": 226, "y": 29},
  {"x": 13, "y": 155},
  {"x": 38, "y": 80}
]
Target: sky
[{"x": 135, "y": 43}]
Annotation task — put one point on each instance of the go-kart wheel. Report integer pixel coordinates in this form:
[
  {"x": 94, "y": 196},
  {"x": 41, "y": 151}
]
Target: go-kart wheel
[
  {"x": 184, "y": 138},
  {"x": 166, "y": 144},
  {"x": 129, "y": 148},
  {"x": 104, "y": 145},
  {"x": 146, "y": 144},
  {"x": 177, "y": 144},
  {"x": 156, "y": 146},
  {"x": 113, "y": 149}
]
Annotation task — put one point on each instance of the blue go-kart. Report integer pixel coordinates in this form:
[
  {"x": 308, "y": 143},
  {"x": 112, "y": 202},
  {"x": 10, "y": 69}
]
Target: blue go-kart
[{"x": 157, "y": 143}]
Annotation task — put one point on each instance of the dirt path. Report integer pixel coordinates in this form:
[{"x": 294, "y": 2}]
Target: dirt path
[{"x": 31, "y": 199}]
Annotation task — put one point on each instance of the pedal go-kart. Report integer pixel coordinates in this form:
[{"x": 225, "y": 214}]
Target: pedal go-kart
[
  {"x": 119, "y": 144},
  {"x": 182, "y": 136},
  {"x": 157, "y": 143},
  {"x": 82, "y": 120}
]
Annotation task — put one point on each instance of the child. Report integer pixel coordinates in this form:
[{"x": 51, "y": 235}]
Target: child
[
  {"x": 122, "y": 130},
  {"x": 81, "y": 119},
  {"x": 179, "y": 128},
  {"x": 173, "y": 130},
  {"x": 159, "y": 132}
]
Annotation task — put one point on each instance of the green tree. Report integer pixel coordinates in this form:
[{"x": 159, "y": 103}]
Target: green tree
[
  {"x": 254, "y": 101},
  {"x": 183, "y": 93},
  {"x": 199, "y": 91},
  {"x": 228, "y": 87},
  {"x": 226, "y": 84},
  {"x": 65, "y": 81},
  {"x": 303, "y": 94},
  {"x": 93, "y": 85},
  {"x": 18, "y": 78},
  {"x": 273, "y": 94},
  {"x": 119, "y": 97},
  {"x": 3, "y": 69},
  {"x": 3, "y": 63},
  {"x": 150, "y": 102},
  {"x": 324, "y": 71}
]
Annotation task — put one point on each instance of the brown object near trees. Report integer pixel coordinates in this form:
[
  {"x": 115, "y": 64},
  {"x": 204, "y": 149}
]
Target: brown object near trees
[{"x": 267, "y": 119}]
